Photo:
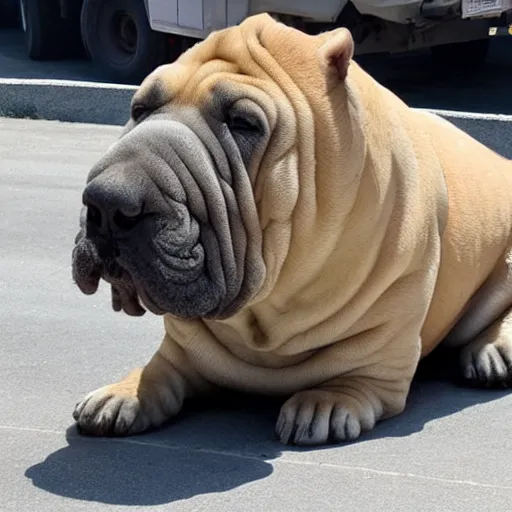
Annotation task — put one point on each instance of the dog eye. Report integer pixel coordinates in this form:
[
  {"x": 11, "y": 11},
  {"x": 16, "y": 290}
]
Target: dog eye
[
  {"x": 138, "y": 111},
  {"x": 238, "y": 123}
]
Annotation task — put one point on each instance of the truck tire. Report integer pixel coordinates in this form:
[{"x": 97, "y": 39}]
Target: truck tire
[
  {"x": 47, "y": 35},
  {"x": 470, "y": 55},
  {"x": 120, "y": 41},
  {"x": 10, "y": 14}
]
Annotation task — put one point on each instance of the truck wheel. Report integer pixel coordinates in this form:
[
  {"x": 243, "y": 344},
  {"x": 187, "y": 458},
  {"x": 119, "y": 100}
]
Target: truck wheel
[
  {"x": 47, "y": 34},
  {"x": 470, "y": 55},
  {"x": 120, "y": 41},
  {"x": 10, "y": 15}
]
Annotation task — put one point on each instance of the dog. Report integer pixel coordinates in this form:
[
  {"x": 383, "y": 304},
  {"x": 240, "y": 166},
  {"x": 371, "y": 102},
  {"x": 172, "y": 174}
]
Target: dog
[{"x": 303, "y": 233}]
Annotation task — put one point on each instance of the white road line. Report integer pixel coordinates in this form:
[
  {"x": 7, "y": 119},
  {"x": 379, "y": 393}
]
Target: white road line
[
  {"x": 468, "y": 115},
  {"x": 64, "y": 83}
]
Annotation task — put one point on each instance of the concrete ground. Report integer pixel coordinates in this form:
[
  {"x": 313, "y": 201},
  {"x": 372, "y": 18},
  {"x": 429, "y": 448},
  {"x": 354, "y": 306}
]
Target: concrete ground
[
  {"x": 450, "y": 450},
  {"x": 447, "y": 452}
]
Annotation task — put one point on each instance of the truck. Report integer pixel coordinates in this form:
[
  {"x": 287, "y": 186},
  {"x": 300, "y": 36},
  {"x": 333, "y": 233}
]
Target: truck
[{"x": 127, "y": 39}]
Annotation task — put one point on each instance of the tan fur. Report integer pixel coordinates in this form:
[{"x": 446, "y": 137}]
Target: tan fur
[{"x": 380, "y": 223}]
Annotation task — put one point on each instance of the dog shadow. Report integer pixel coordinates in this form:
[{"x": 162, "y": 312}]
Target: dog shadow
[
  {"x": 210, "y": 448},
  {"x": 218, "y": 446}
]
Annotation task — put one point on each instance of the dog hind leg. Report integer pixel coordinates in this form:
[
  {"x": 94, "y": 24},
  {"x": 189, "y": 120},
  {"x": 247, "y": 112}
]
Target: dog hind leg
[{"x": 487, "y": 360}]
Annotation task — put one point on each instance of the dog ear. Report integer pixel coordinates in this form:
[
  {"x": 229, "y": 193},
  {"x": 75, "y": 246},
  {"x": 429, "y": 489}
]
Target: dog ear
[{"x": 338, "y": 50}]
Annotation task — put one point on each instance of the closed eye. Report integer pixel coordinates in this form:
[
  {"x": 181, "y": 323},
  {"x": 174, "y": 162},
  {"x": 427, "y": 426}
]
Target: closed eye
[
  {"x": 138, "y": 111},
  {"x": 238, "y": 123}
]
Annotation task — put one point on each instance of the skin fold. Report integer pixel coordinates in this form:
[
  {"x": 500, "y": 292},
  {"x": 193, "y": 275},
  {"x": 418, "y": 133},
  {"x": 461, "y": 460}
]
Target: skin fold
[{"x": 303, "y": 233}]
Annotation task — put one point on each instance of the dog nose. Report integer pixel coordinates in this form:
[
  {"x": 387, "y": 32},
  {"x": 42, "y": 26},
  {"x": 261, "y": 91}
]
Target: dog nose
[{"x": 112, "y": 206}]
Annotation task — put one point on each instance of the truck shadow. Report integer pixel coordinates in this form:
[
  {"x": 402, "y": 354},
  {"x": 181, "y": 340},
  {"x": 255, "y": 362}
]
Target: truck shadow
[
  {"x": 219, "y": 446},
  {"x": 414, "y": 77}
]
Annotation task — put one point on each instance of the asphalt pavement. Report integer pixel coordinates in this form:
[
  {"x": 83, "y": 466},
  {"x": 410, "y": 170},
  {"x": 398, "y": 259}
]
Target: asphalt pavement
[
  {"x": 412, "y": 76},
  {"x": 415, "y": 78},
  {"x": 14, "y": 62},
  {"x": 449, "y": 451}
]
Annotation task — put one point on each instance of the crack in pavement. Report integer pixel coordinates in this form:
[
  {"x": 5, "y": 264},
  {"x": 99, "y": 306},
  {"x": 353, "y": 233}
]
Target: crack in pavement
[{"x": 282, "y": 460}]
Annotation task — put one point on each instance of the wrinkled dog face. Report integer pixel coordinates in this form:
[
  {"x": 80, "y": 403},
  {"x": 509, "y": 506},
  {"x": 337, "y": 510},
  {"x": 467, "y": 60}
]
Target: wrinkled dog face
[{"x": 170, "y": 218}]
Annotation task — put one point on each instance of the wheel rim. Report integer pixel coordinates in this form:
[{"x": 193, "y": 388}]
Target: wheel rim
[
  {"x": 124, "y": 32},
  {"x": 118, "y": 34},
  {"x": 115, "y": 31}
]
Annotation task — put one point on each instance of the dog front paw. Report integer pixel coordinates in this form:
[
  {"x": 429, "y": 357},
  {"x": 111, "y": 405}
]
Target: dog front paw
[
  {"x": 128, "y": 407},
  {"x": 316, "y": 417}
]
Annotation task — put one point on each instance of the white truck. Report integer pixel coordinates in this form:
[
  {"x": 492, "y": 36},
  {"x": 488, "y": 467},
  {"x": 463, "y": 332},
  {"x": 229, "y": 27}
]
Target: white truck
[{"x": 126, "y": 39}]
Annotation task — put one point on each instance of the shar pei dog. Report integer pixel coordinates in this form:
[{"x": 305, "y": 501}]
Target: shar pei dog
[{"x": 303, "y": 233}]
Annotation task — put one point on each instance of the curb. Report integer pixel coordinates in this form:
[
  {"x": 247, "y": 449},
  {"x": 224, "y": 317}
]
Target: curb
[
  {"x": 66, "y": 100},
  {"x": 492, "y": 130},
  {"x": 104, "y": 103}
]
